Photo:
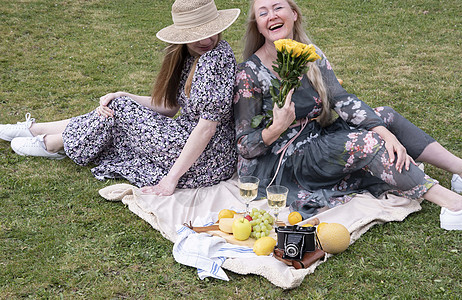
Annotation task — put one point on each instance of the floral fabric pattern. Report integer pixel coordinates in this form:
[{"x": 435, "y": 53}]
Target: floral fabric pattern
[
  {"x": 324, "y": 166},
  {"x": 141, "y": 145}
]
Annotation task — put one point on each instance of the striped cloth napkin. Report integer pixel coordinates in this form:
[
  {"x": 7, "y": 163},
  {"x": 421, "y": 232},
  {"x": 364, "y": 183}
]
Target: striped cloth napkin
[{"x": 205, "y": 252}]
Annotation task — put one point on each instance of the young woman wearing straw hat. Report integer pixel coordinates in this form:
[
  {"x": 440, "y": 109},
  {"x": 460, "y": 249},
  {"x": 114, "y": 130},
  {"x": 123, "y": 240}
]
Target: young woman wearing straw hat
[
  {"x": 136, "y": 137},
  {"x": 326, "y": 161}
]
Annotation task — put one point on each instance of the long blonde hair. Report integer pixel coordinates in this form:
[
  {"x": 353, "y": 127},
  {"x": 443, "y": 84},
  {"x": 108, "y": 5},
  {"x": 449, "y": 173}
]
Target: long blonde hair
[{"x": 254, "y": 40}]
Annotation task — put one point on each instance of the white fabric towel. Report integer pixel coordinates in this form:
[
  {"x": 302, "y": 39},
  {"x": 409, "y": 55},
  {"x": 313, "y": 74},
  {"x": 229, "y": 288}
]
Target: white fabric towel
[
  {"x": 202, "y": 205},
  {"x": 206, "y": 252}
]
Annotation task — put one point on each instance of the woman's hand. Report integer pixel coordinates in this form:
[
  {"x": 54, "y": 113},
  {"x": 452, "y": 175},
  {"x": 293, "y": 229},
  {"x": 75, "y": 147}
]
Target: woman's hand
[
  {"x": 393, "y": 147},
  {"x": 103, "y": 109},
  {"x": 165, "y": 187},
  {"x": 104, "y": 100},
  {"x": 402, "y": 158},
  {"x": 282, "y": 118}
]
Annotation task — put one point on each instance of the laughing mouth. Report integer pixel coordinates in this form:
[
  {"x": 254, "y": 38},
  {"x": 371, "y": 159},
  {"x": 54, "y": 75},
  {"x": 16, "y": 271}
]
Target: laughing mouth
[{"x": 275, "y": 26}]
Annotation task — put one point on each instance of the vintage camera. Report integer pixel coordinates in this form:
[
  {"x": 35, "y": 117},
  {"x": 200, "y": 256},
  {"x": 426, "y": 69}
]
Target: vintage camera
[{"x": 296, "y": 240}]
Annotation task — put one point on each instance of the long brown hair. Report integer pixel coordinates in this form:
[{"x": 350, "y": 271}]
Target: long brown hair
[
  {"x": 254, "y": 40},
  {"x": 165, "y": 89}
]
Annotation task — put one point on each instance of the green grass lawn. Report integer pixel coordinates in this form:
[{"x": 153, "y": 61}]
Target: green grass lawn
[{"x": 60, "y": 239}]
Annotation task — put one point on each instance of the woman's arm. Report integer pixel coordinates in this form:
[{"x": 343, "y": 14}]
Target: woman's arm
[
  {"x": 351, "y": 109},
  {"x": 359, "y": 114},
  {"x": 142, "y": 100},
  {"x": 211, "y": 93},
  {"x": 195, "y": 145}
]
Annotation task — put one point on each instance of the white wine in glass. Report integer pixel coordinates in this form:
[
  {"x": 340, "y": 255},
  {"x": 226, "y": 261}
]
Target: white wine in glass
[
  {"x": 277, "y": 201},
  {"x": 248, "y": 189},
  {"x": 277, "y": 198}
]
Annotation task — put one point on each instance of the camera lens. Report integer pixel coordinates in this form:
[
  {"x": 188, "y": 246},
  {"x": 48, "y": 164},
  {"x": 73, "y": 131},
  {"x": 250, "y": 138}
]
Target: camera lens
[{"x": 292, "y": 250}]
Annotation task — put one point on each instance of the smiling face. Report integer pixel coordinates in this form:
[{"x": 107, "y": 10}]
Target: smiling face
[
  {"x": 202, "y": 46},
  {"x": 275, "y": 19}
]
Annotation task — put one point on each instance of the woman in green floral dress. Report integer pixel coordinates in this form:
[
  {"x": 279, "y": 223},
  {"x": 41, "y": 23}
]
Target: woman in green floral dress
[{"x": 325, "y": 162}]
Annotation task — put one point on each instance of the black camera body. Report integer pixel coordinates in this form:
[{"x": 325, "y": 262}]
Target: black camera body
[{"x": 296, "y": 240}]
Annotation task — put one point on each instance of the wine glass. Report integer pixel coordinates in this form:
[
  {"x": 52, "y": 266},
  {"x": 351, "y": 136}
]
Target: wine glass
[
  {"x": 277, "y": 198},
  {"x": 248, "y": 189}
]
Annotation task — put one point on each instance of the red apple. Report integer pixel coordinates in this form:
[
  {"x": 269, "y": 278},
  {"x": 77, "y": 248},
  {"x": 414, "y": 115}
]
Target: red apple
[{"x": 248, "y": 217}]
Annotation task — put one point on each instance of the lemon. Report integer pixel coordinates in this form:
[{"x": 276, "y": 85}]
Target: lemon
[
  {"x": 333, "y": 237},
  {"x": 225, "y": 213},
  {"x": 320, "y": 226},
  {"x": 264, "y": 245},
  {"x": 307, "y": 225},
  {"x": 295, "y": 217}
]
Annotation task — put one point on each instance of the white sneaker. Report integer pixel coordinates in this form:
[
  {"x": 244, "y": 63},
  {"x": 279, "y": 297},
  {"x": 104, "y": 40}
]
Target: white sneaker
[
  {"x": 456, "y": 183},
  {"x": 20, "y": 129},
  {"x": 33, "y": 146},
  {"x": 451, "y": 220}
]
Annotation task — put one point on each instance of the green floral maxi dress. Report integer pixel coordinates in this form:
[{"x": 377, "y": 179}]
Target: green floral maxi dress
[{"x": 323, "y": 166}]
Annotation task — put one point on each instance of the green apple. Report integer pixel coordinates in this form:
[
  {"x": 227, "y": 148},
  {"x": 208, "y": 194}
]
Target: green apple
[{"x": 241, "y": 229}]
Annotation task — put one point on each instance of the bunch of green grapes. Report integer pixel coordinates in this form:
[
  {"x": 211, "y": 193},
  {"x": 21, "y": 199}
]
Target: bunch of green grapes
[{"x": 262, "y": 223}]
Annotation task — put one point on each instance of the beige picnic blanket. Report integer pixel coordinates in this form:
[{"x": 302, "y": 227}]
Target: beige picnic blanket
[{"x": 164, "y": 213}]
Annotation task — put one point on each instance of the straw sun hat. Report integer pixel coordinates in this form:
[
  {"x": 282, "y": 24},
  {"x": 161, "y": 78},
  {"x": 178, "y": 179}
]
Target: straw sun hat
[{"x": 195, "y": 20}]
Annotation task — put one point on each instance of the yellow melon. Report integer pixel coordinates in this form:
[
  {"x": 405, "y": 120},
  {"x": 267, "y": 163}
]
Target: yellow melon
[{"x": 333, "y": 237}]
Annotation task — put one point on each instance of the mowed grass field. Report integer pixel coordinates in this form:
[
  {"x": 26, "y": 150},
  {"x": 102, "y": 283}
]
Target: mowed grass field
[{"x": 60, "y": 239}]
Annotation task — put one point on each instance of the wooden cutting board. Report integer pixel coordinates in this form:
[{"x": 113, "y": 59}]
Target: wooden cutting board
[
  {"x": 230, "y": 238},
  {"x": 214, "y": 230}
]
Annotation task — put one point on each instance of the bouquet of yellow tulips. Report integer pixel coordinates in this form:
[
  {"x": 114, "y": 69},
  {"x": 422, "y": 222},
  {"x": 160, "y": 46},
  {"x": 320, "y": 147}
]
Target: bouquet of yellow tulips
[{"x": 291, "y": 64}]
